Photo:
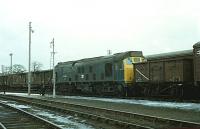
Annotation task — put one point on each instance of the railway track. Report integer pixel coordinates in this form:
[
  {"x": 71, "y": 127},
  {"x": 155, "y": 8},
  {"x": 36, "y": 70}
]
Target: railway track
[
  {"x": 15, "y": 118},
  {"x": 108, "y": 116}
]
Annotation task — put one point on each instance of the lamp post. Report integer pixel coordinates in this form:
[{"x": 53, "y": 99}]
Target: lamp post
[
  {"x": 29, "y": 60},
  {"x": 11, "y": 71},
  {"x": 54, "y": 80}
]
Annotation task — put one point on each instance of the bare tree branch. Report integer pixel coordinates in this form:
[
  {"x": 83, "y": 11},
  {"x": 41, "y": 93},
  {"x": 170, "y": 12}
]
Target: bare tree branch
[{"x": 36, "y": 66}]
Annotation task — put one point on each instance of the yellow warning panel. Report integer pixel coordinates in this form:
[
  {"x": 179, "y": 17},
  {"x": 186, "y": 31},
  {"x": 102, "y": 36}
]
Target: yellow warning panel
[{"x": 128, "y": 68}]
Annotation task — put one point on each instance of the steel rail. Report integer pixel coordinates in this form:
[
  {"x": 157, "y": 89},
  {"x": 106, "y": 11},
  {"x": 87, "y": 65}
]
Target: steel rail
[{"x": 32, "y": 116}]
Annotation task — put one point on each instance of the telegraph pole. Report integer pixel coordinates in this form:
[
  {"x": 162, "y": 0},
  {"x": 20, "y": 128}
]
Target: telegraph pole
[
  {"x": 54, "y": 80},
  {"x": 29, "y": 60}
]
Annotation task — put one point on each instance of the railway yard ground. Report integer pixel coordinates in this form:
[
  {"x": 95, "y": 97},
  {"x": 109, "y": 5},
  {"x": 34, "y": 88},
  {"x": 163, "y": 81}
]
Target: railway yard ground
[
  {"x": 168, "y": 111},
  {"x": 12, "y": 117}
]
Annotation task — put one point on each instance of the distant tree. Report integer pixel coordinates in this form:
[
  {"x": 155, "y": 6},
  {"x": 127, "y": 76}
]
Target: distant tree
[
  {"x": 17, "y": 68},
  {"x": 36, "y": 66}
]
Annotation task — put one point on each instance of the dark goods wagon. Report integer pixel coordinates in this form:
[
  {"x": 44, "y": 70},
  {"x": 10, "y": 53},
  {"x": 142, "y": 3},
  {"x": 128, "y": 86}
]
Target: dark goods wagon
[
  {"x": 3, "y": 81},
  {"x": 197, "y": 64},
  {"x": 166, "y": 75},
  {"x": 17, "y": 82},
  {"x": 41, "y": 80},
  {"x": 13, "y": 82}
]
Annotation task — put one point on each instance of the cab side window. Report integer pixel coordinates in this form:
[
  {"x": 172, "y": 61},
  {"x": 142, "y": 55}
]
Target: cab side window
[{"x": 108, "y": 69}]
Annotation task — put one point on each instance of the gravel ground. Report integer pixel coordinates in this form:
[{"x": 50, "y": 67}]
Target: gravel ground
[
  {"x": 161, "y": 111},
  {"x": 179, "y": 114}
]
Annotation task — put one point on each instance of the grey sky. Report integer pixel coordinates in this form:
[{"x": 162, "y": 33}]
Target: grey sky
[{"x": 88, "y": 28}]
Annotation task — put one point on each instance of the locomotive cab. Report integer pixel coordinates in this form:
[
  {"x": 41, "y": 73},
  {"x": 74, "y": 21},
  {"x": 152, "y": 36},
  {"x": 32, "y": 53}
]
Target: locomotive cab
[
  {"x": 128, "y": 68},
  {"x": 129, "y": 74}
]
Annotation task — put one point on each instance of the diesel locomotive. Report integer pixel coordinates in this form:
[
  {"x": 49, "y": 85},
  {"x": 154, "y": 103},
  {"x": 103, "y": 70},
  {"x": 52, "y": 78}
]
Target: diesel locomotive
[{"x": 105, "y": 75}]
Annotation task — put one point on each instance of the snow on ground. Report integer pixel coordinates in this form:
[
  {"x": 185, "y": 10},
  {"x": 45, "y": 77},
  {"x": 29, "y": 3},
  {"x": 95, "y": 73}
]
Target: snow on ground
[
  {"x": 13, "y": 104},
  {"x": 20, "y": 94},
  {"x": 20, "y": 106},
  {"x": 64, "y": 121},
  {"x": 176, "y": 105}
]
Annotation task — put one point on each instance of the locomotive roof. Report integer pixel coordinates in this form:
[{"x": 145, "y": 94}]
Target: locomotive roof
[
  {"x": 196, "y": 45},
  {"x": 114, "y": 57},
  {"x": 176, "y": 54}
]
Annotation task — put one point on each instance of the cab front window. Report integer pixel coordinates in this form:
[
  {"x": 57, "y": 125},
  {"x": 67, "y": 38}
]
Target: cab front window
[{"x": 136, "y": 59}]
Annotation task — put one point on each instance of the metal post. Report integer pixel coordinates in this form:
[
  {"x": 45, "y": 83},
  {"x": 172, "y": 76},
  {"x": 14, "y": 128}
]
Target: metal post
[
  {"x": 50, "y": 60},
  {"x": 29, "y": 61},
  {"x": 11, "y": 71},
  {"x": 2, "y": 69},
  {"x": 54, "y": 82}
]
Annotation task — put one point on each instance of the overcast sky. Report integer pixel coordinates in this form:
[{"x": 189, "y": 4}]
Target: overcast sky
[{"x": 88, "y": 28}]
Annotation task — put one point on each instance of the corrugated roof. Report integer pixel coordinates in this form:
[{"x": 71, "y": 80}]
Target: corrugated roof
[{"x": 170, "y": 55}]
